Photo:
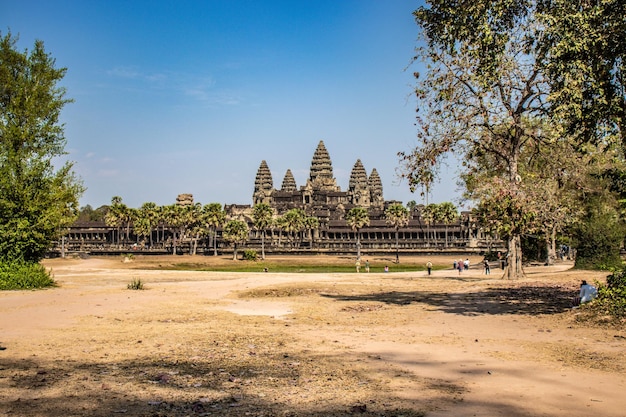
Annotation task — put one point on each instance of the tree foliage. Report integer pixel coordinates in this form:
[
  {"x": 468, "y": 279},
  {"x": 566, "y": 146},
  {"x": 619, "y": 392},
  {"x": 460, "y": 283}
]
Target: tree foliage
[
  {"x": 236, "y": 232},
  {"x": 357, "y": 218},
  {"x": 497, "y": 94},
  {"x": 38, "y": 201},
  {"x": 262, "y": 215},
  {"x": 579, "y": 45},
  {"x": 397, "y": 216}
]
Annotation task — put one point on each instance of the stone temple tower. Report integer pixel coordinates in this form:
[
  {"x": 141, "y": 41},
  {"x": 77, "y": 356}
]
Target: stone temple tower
[
  {"x": 376, "y": 189},
  {"x": 289, "y": 183},
  {"x": 263, "y": 185},
  {"x": 358, "y": 187},
  {"x": 321, "y": 175}
]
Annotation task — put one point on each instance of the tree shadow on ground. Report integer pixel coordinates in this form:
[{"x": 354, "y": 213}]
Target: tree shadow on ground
[
  {"x": 193, "y": 388},
  {"x": 533, "y": 300}
]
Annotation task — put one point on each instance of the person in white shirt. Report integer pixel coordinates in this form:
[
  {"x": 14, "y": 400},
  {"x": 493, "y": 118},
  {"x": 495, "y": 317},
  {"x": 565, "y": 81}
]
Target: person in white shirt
[{"x": 587, "y": 292}]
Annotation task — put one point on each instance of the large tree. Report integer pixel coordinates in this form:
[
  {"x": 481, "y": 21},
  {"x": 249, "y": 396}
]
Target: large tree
[
  {"x": 472, "y": 110},
  {"x": 38, "y": 200}
]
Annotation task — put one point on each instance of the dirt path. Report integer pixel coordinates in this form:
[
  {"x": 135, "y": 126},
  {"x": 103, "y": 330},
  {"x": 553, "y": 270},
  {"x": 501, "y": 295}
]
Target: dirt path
[{"x": 264, "y": 344}]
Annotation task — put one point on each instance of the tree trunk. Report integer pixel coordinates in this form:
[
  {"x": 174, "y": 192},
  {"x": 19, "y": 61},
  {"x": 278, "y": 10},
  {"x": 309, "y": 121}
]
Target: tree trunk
[
  {"x": 215, "y": 241},
  {"x": 397, "y": 248},
  {"x": 514, "y": 258},
  {"x": 358, "y": 245},
  {"x": 194, "y": 244},
  {"x": 234, "y": 252},
  {"x": 263, "y": 245}
]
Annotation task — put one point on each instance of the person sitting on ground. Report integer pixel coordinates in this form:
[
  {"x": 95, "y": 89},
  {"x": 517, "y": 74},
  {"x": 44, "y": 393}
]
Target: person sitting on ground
[{"x": 587, "y": 292}]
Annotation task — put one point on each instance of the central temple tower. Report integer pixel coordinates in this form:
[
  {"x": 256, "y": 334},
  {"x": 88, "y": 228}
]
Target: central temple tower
[{"x": 321, "y": 191}]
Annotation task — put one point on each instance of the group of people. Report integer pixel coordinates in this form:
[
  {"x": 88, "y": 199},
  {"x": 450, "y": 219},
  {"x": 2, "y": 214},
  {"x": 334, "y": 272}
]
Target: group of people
[
  {"x": 367, "y": 265},
  {"x": 461, "y": 265},
  {"x": 587, "y": 292}
]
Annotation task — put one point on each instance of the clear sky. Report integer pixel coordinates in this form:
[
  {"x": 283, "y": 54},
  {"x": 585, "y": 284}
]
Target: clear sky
[{"x": 189, "y": 96}]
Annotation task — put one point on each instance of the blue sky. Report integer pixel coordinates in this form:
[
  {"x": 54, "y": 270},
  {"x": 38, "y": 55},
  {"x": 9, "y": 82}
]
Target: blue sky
[{"x": 179, "y": 97}]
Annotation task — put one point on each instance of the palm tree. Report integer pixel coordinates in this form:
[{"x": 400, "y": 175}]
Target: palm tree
[
  {"x": 293, "y": 223},
  {"x": 397, "y": 216},
  {"x": 236, "y": 231},
  {"x": 141, "y": 226},
  {"x": 115, "y": 215},
  {"x": 311, "y": 223},
  {"x": 262, "y": 214},
  {"x": 196, "y": 225},
  {"x": 147, "y": 217},
  {"x": 356, "y": 218},
  {"x": 175, "y": 218},
  {"x": 447, "y": 214},
  {"x": 214, "y": 217}
]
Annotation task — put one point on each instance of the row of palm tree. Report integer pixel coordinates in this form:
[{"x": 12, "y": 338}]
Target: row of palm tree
[
  {"x": 294, "y": 222},
  {"x": 445, "y": 213},
  {"x": 194, "y": 221}
]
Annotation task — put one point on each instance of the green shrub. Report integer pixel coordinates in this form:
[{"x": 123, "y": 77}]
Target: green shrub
[
  {"x": 21, "y": 275},
  {"x": 136, "y": 284},
  {"x": 612, "y": 296},
  {"x": 598, "y": 243},
  {"x": 250, "y": 255}
]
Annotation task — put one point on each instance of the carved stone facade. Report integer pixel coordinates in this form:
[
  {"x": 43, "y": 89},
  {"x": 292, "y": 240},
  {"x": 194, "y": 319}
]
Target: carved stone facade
[{"x": 320, "y": 196}]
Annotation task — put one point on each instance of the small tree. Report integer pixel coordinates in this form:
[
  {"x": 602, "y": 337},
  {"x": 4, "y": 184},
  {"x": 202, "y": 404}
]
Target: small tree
[
  {"x": 447, "y": 214},
  {"x": 236, "y": 232},
  {"x": 356, "y": 218},
  {"x": 397, "y": 216},
  {"x": 293, "y": 222},
  {"x": 214, "y": 216},
  {"x": 311, "y": 223},
  {"x": 262, "y": 214}
]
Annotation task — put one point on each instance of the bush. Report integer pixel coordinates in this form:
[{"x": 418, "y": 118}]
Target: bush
[
  {"x": 250, "y": 255},
  {"x": 136, "y": 284},
  {"x": 612, "y": 296},
  {"x": 20, "y": 275},
  {"x": 598, "y": 243}
]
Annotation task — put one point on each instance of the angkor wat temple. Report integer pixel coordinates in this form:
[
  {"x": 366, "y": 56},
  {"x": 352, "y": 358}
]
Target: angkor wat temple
[{"x": 321, "y": 197}]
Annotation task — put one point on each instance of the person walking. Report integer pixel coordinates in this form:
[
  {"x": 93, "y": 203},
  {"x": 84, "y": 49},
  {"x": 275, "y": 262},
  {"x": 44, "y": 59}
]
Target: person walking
[
  {"x": 367, "y": 265},
  {"x": 487, "y": 268},
  {"x": 358, "y": 264},
  {"x": 429, "y": 267}
]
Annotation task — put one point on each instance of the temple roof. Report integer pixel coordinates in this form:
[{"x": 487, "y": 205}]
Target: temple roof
[
  {"x": 376, "y": 187},
  {"x": 322, "y": 168},
  {"x": 263, "y": 180},
  {"x": 358, "y": 177},
  {"x": 289, "y": 182}
]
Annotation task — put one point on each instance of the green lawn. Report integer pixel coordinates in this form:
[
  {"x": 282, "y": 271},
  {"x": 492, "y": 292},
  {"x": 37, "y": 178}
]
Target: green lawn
[{"x": 259, "y": 266}]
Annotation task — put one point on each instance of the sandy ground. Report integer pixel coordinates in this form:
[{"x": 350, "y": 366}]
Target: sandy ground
[{"x": 271, "y": 344}]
